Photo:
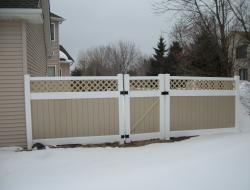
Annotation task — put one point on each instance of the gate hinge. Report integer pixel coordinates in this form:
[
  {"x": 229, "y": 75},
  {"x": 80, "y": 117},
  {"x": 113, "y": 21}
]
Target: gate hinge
[
  {"x": 124, "y": 136},
  {"x": 124, "y": 92},
  {"x": 165, "y": 93}
]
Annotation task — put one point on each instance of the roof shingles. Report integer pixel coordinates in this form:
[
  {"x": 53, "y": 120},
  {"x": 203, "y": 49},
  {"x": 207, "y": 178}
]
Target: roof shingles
[{"x": 31, "y": 4}]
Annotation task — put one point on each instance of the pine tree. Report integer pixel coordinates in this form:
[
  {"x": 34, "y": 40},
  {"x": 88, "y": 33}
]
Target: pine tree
[
  {"x": 160, "y": 51},
  {"x": 205, "y": 55},
  {"x": 158, "y": 60},
  {"x": 174, "y": 59}
]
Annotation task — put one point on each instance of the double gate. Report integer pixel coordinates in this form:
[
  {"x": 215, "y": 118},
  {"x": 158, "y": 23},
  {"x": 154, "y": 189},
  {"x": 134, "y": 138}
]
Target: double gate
[{"x": 122, "y": 108}]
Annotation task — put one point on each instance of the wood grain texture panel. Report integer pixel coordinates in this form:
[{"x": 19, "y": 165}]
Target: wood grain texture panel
[
  {"x": 204, "y": 112},
  {"x": 144, "y": 115},
  {"x": 74, "y": 118}
]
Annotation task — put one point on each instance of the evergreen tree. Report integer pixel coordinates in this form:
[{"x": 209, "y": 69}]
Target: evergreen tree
[
  {"x": 158, "y": 60},
  {"x": 160, "y": 51},
  {"x": 206, "y": 56},
  {"x": 174, "y": 59}
]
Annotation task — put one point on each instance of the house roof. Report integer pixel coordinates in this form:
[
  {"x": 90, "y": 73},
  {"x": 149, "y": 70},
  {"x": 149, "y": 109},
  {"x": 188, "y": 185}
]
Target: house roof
[
  {"x": 31, "y": 4},
  {"x": 62, "y": 49},
  {"x": 54, "y": 15}
]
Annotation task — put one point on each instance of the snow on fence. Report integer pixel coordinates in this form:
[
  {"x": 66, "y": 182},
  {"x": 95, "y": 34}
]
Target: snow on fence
[{"x": 69, "y": 110}]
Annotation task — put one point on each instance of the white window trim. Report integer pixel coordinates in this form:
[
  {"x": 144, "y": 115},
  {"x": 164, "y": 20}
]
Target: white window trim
[
  {"x": 54, "y": 67},
  {"x": 54, "y": 28}
]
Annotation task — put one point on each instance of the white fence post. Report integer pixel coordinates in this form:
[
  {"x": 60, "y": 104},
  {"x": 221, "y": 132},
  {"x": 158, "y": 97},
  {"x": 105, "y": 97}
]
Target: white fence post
[
  {"x": 127, "y": 108},
  {"x": 162, "y": 106},
  {"x": 28, "y": 117},
  {"x": 237, "y": 101},
  {"x": 121, "y": 108},
  {"x": 167, "y": 107}
]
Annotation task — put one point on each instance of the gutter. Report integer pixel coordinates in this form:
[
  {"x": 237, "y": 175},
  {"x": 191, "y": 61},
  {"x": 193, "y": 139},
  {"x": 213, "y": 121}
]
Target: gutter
[
  {"x": 46, "y": 26},
  {"x": 31, "y": 15},
  {"x": 60, "y": 20}
]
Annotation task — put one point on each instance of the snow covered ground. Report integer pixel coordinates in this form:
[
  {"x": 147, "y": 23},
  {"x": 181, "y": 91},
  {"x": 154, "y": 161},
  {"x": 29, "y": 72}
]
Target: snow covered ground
[
  {"x": 245, "y": 106},
  {"x": 214, "y": 162}
]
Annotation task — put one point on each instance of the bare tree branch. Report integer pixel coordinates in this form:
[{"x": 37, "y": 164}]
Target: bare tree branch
[{"x": 110, "y": 60}]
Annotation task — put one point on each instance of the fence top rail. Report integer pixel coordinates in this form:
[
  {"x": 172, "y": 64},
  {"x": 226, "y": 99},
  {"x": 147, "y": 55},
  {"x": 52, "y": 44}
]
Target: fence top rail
[
  {"x": 202, "y": 78},
  {"x": 75, "y": 78},
  {"x": 144, "y": 77},
  {"x": 131, "y": 78}
]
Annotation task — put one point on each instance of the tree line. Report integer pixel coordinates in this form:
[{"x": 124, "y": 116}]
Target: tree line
[{"x": 121, "y": 57}]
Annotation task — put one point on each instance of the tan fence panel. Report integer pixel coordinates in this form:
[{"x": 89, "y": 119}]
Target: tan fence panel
[
  {"x": 144, "y": 115},
  {"x": 202, "y": 112},
  {"x": 75, "y": 118}
]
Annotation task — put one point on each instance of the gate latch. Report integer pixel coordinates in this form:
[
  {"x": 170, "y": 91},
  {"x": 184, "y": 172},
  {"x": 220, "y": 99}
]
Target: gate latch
[
  {"x": 124, "y": 92},
  {"x": 165, "y": 93}
]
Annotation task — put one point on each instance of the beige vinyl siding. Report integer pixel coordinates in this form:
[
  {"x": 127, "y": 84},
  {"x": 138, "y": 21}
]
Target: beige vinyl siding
[
  {"x": 12, "y": 113},
  {"x": 36, "y": 50},
  {"x": 145, "y": 115},
  {"x": 74, "y": 118},
  {"x": 207, "y": 112}
]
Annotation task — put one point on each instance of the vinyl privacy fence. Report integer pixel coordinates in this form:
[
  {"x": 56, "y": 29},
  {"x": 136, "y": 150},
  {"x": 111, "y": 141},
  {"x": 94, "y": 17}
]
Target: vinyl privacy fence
[{"x": 122, "y": 108}]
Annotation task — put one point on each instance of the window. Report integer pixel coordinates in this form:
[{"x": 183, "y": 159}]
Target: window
[
  {"x": 241, "y": 52},
  {"x": 51, "y": 71},
  {"x": 243, "y": 74},
  {"x": 52, "y": 31},
  {"x": 60, "y": 72}
]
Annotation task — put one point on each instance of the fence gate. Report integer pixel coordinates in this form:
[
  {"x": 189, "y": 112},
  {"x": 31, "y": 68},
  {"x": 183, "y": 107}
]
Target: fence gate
[{"x": 145, "y": 104}]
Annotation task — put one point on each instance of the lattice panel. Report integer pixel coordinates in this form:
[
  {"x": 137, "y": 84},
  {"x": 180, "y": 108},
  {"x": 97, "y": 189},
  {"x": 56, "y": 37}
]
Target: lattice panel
[
  {"x": 137, "y": 85},
  {"x": 179, "y": 84},
  {"x": 74, "y": 85},
  {"x": 94, "y": 85}
]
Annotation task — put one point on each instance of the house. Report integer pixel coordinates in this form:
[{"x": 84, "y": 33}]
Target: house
[
  {"x": 239, "y": 53},
  {"x": 56, "y": 66},
  {"x": 25, "y": 47}
]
